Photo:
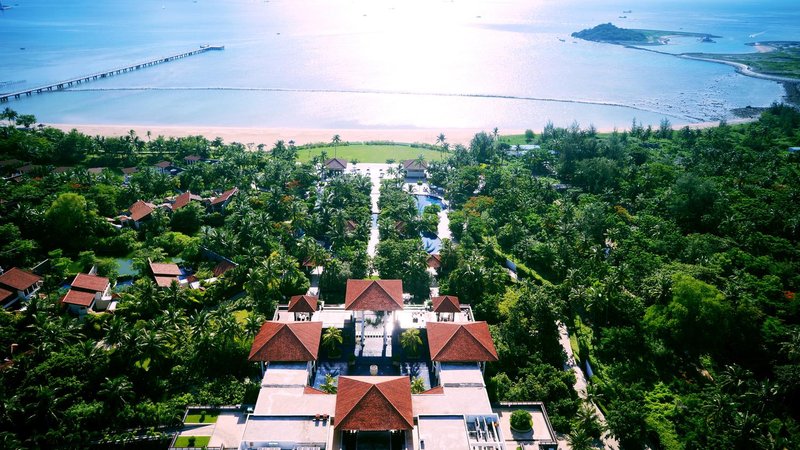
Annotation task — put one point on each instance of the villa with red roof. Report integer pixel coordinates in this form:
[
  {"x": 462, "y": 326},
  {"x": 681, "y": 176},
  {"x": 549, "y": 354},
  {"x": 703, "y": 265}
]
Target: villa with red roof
[
  {"x": 164, "y": 274},
  {"x": 17, "y": 284},
  {"x": 183, "y": 200},
  {"x": 415, "y": 168},
  {"x": 88, "y": 292},
  {"x": 137, "y": 213},
  {"x": 219, "y": 203},
  {"x": 369, "y": 392}
]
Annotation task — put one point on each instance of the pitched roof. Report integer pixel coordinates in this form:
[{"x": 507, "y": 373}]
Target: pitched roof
[
  {"x": 165, "y": 269},
  {"x": 225, "y": 196},
  {"x": 62, "y": 169},
  {"x": 413, "y": 164},
  {"x": 130, "y": 170},
  {"x": 374, "y": 295},
  {"x": 446, "y": 303},
  {"x": 336, "y": 164},
  {"x": 350, "y": 225},
  {"x": 435, "y": 390},
  {"x": 374, "y": 404},
  {"x": 294, "y": 341},
  {"x": 140, "y": 210},
  {"x": 223, "y": 267},
  {"x": 434, "y": 261},
  {"x": 313, "y": 391},
  {"x": 91, "y": 283},
  {"x": 303, "y": 303},
  {"x": 78, "y": 298},
  {"x": 165, "y": 281},
  {"x": 18, "y": 279},
  {"x": 460, "y": 342},
  {"x": 96, "y": 170},
  {"x": 181, "y": 200},
  {"x": 163, "y": 164},
  {"x": 5, "y": 294},
  {"x": 27, "y": 168},
  {"x": 192, "y": 158}
]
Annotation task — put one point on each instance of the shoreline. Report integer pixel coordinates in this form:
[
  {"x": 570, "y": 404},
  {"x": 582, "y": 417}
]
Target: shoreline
[{"x": 301, "y": 136}]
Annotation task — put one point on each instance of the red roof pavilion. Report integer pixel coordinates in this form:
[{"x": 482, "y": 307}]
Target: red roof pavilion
[
  {"x": 294, "y": 341},
  {"x": 374, "y": 295},
  {"x": 374, "y": 404},
  {"x": 460, "y": 342}
]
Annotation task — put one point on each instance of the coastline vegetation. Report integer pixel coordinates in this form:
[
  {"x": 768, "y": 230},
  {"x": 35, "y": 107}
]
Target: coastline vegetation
[
  {"x": 610, "y": 33},
  {"x": 671, "y": 256},
  {"x": 783, "y": 59}
]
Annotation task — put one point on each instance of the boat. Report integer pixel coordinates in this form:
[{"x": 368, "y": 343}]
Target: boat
[
  {"x": 212, "y": 47},
  {"x": 562, "y": 40},
  {"x": 4, "y": 7},
  {"x": 627, "y": 11}
]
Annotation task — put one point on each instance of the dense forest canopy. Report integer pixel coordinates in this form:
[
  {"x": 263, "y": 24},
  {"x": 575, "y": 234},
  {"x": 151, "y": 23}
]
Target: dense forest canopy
[{"x": 671, "y": 256}]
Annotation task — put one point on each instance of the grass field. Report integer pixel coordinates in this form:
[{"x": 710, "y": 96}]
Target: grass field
[
  {"x": 195, "y": 418},
  {"x": 199, "y": 441},
  {"x": 371, "y": 153}
]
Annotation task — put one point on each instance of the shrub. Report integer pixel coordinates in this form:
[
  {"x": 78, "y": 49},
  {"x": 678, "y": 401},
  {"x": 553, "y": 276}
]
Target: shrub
[{"x": 521, "y": 420}]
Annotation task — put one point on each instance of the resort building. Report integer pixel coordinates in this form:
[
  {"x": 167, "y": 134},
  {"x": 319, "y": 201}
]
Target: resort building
[
  {"x": 220, "y": 202},
  {"x": 88, "y": 292},
  {"x": 335, "y": 166},
  {"x": 348, "y": 377},
  {"x": 415, "y": 168},
  {"x": 164, "y": 274},
  {"x": 17, "y": 284},
  {"x": 137, "y": 213}
]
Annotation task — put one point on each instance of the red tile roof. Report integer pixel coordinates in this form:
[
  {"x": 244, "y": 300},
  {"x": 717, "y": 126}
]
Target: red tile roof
[
  {"x": 313, "y": 391},
  {"x": 18, "y": 279},
  {"x": 446, "y": 303},
  {"x": 223, "y": 267},
  {"x": 5, "y": 295},
  {"x": 434, "y": 261},
  {"x": 96, "y": 170},
  {"x": 374, "y": 404},
  {"x": 140, "y": 210},
  {"x": 192, "y": 158},
  {"x": 350, "y": 225},
  {"x": 181, "y": 200},
  {"x": 436, "y": 390},
  {"x": 130, "y": 170},
  {"x": 303, "y": 303},
  {"x": 165, "y": 281},
  {"x": 91, "y": 283},
  {"x": 460, "y": 342},
  {"x": 374, "y": 295},
  {"x": 295, "y": 341},
  {"x": 336, "y": 164},
  {"x": 78, "y": 298},
  {"x": 163, "y": 164},
  {"x": 165, "y": 269},
  {"x": 225, "y": 196}
]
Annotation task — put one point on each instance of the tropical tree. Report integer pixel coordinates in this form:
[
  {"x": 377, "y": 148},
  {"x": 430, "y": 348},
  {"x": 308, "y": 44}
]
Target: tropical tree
[
  {"x": 332, "y": 339},
  {"x": 417, "y": 385},
  {"x": 335, "y": 141},
  {"x": 330, "y": 384},
  {"x": 410, "y": 340}
]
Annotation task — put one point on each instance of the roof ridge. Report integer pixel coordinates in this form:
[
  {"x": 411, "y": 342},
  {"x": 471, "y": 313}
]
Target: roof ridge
[
  {"x": 291, "y": 330},
  {"x": 448, "y": 341},
  {"x": 474, "y": 338},
  {"x": 353, "y": 407},
  {"x": 397, "y": 411}
]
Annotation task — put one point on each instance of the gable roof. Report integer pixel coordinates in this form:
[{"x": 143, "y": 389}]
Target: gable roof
[
  {"x": 336, "y": 164},
  {"x": 192, "y": 158},
  {"x": 413, "y": 164},
  {"x": 438, "y": 390},
  {"x": 62, "y": 169},
  {"x": 181, "y": 200},
  {"x": 434, "y": 261},
  {"x": 78, "y": 298},
  {"x": 303, "y": 303},
  {"x": 96, "y": 170},
  {"x": 163, "y": 164},
  {"x": 446, "y": 303},
  {"x": 374, "y": 295},
  {"x": 374, "y": 404},
  {"x": 350, "y": 225},
  {"x": 140, "y": 210},
  {"x": 460, "y": 342},
  {"x": 223, "y": 267},
  {"x": 165, "y": 269},
  {"x": 90, "y": 283},
  {"x": 165, "y": 282},
  {"x": 225, "y": 196},
  {"x": 130, "y": 170},
  {"x": 5, "y": 294},
  {"x": 294, "y": 341},
  {"x": 18, "y": 279}
]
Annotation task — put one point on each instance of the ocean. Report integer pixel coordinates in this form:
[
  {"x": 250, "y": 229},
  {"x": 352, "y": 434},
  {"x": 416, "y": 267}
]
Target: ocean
[{"x": 382, "y": 63}]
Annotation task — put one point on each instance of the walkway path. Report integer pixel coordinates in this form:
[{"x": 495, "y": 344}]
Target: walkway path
[{"x": 580, "y": 383}]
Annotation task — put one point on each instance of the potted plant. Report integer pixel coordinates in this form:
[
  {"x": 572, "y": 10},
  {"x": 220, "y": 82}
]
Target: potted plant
[{"x": 521, "y": 421}]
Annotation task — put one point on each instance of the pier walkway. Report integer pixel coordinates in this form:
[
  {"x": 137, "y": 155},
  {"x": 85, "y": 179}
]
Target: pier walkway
[{"x": 60, "y": 85}]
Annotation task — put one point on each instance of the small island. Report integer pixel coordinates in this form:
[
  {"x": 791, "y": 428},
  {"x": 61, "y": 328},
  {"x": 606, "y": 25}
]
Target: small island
[{"x": 612, "y": 34}]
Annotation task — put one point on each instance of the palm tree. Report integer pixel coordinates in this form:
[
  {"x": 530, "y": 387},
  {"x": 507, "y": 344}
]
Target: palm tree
[
  {"x": 417, "y": 385},
  {"x": 329, "y": 387},
  {"x": 335, "y": 141},
  {"x": 440, "y": 139},
  {"x": 116, "y": 392},
  {"x": 495, "y": 133},
  {"x": 331, "y": 340},
  {"x": 410, "y": 341}
]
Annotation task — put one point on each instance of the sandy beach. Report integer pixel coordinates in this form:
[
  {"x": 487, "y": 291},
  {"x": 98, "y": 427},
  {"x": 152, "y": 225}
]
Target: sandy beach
[{"x": 268, "y": 136}]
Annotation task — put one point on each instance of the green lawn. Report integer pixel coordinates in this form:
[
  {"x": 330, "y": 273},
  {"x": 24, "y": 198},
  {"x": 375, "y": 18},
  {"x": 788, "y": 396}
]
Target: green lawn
[
  {"x": 371, "y": 153},
  {"x": 195, "y": 418},
  {"x": 199, "y": 441}
]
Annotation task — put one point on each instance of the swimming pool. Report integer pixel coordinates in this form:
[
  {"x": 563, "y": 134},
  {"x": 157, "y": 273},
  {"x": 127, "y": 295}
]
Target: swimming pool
[{"x": 425, "y": 200}]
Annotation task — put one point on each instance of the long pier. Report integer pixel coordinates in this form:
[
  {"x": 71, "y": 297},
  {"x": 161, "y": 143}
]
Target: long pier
[{"x": 60, "y": 85}]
